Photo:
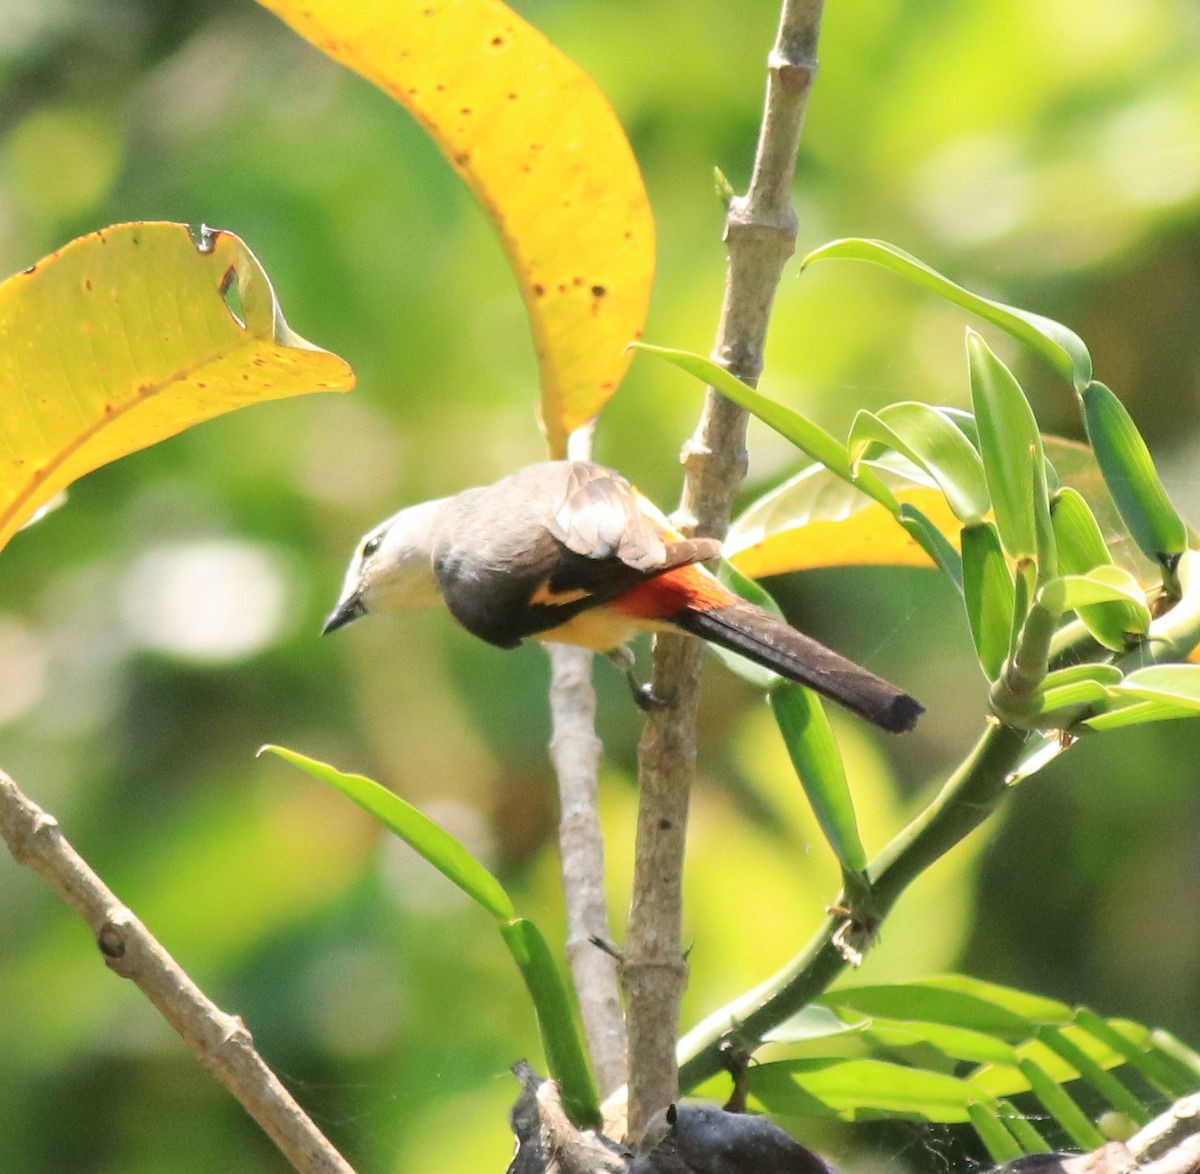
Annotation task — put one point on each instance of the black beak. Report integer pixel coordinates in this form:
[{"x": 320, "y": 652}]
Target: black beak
[{"x": 349, "y": 609}]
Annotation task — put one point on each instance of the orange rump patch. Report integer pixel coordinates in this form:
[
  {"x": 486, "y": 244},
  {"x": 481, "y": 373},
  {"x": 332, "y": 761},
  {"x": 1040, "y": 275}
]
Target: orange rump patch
[{"x": 689, "y": 588}]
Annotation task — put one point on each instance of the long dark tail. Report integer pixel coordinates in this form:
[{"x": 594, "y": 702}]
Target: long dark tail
[{"x": 760, "y": 637}]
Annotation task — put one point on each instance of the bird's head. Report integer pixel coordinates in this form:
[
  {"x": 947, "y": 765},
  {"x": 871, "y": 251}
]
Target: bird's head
[{"x": 392, "y": 569}]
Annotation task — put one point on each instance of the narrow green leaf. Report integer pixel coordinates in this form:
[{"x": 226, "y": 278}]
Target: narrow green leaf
[
  {"x": 999, "y": 1142},
  {"x": 1030, "y": 1140},
  {"x": 1063, "y": 349},
  {"x": 1101, "y": 584},
  {"x": 814, "y": 753},
  {"x": 1057, "y": 702},
  {"x": 564, "y": 1054},
  {"x": 956, "y": 1043},
  {"x": 858, "y": 1090},
  {"x": 525, "y": 942},
  {"x": 417, "y": 830},
  {"x": 1119, "y": 716},
  {"x": 1103, "y": 1081},
  {"x": 932, "y": 442},
  {"x": 1081, "y": 548},
  {"x": 930, "y": 1002},
  {"x": 988, "y": 592},
  {"x": 1062, "y": 1107},
  {"x": 1132, "y": 479},
  {"x": 1171, "y": 1046},
  {"x": 1080, "y": 684},
  {"x": 1102, "y": 673},
  {"x": 1026, "y": 1006},
  {"x": 813, "y": 1022},
  {"x": 1177, "y": 684},
  {"x": 933, "y": 542},
  {"x": 1013, "y": 460},
  {"x": 810, "y": 438},
  {"x": 1151, "y": 1065}
]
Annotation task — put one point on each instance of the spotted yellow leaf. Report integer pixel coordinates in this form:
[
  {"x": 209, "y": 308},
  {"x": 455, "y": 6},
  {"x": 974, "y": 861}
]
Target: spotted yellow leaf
[
  {"x": 541, "y": 149},
  {"x": 817, "y": 520},
  {"x": 130, "y": 335}
]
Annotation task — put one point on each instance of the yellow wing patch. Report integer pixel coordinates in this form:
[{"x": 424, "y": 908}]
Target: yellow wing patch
[{"x": 543, "y": 595}]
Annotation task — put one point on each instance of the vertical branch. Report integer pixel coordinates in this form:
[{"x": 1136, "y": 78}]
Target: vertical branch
[
  {"x": 760, "y": 236},
  {"x": 575, "y": 751}
]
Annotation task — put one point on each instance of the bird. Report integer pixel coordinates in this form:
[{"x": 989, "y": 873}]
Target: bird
[{"x": 570, "y": 552}]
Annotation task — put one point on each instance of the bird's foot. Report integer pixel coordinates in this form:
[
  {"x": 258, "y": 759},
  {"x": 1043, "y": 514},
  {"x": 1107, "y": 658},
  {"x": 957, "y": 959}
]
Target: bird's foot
[{"x": 644, "y": 696}]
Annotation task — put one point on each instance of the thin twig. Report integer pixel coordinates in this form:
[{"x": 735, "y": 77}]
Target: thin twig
[
  {"x": 760, "y": 233},
  {"x": 969, "y": 796},
  {"x": 220, "y": 1042},
  {"x": 575, "y": 751}
]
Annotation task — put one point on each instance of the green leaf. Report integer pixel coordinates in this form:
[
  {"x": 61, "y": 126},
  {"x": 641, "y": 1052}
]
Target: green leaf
[
  {"x": 897, "y": 1051},
  {"x": 1019, "y": 1125},
  {"x": 814, "y": 754},
  {"x": 1101, "y": 584},
  {"x": 1132, "y": 479},
  {"x": 1062, "y": 1107},
  {"x": 564, "y": 1055},
  {"x": 933, "y": 542},
  {"x": 988, "y": 591},
  {"x": 1176, "y": 684},
  {"x": 1080, "y": 684},
  {"x": 932, "y": 442},
  {"x": 956, "y": 1043},
  {"x": 1153, "y": 1066},
  {"x": 1177, "y": 1050},
  {"x": 1001, "y": 1145},
  {"x": 1120, "y": 715},
  {"x": 1081, "y": 548},
  {"x": 859, "y": 1090},
  {"x": 928, "y": 1002},
  {"x": 1062, "y": 348},
  {"x": 810, "y": 438},
  {"x": 1013, "y": 460},
  {"x": 1027, "y": 1006},
  {"x": 813, "y": 1022},
  {"x": 1099, "y": 1078},
  {"x": 417, "y": 830}
]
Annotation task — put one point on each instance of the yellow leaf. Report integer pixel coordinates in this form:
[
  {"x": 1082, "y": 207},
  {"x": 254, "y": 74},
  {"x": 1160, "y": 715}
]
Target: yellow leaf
[
  {"x": 128, "y": 336},
  {"x": 543, "y": 152},
  {"x": 817, "y": 520}
]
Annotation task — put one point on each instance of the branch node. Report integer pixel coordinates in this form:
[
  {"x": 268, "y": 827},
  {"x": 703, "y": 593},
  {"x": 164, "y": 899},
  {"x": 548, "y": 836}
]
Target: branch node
[
  {"x": 795, "y": 75},
  {"x": 112, "y": 937}
]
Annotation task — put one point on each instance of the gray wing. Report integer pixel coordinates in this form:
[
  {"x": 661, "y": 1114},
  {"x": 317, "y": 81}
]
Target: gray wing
[{"x": 553, "y": 540}]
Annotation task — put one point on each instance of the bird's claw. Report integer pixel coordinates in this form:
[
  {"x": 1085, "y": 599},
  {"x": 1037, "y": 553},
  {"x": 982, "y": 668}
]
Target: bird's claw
[
  {"x": 647, "y": 700},
  {"x": 643, "y": 693}
]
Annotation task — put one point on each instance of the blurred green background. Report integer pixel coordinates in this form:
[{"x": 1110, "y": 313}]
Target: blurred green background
[{"x": 160, "y": 627}]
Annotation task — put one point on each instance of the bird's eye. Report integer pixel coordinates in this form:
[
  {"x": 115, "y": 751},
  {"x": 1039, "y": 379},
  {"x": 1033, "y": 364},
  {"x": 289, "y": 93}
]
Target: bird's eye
[{"x": 370, "y": 547}]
